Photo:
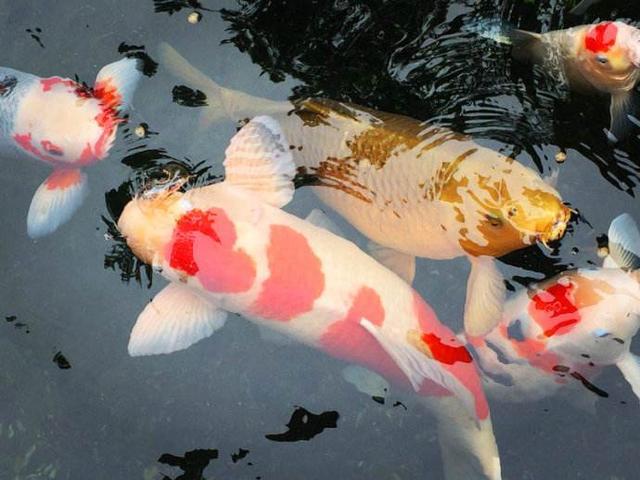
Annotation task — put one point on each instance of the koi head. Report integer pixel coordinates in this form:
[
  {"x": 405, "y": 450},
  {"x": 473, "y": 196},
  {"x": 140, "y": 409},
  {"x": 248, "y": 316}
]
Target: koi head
[
  {"x": 12, "y": 86},
  {"x": 507, "y": 209},
  {"x": 609, "y": 54},
  {"x": 147, "y": 221}
]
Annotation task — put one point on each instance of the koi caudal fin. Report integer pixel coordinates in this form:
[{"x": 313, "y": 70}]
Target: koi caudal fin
[
  {"x": 222, "y": 103},
  {"x": 55, "y": 201}
]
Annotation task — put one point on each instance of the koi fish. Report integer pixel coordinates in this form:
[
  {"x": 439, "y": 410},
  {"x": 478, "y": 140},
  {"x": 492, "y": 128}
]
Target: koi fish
[
  {"x": 569, "y": 328},
  {"x": 413, "y": 189},
  {"x": 67, "y": 125},
  {"x": 229, "y": 247},
  {"x": 602, "y": 58}
]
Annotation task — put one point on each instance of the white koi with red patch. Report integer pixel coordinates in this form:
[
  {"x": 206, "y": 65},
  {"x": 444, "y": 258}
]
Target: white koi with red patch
[
  {"x": 231, "y": 246},
  {"x": 567, "y": 329},
  {"x": 600, "y": 58},
  {"x": 67, "y": 125}
]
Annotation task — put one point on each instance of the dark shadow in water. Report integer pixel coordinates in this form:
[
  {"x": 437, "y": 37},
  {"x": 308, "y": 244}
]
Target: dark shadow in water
[
  {"x": 149, "y": 65},
  {"x": 239, "y": 455},
  {"x": 305, "y": 425},
  {"x": 192, "y": 463},
  {"x": 416, "y": 59},
  {"x": 188, "y": 97}
]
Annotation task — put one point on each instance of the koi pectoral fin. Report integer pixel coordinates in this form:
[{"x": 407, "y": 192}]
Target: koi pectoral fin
[
  {"x": 366, "y": 381},
  {"x": 624, "y": 243},
  {"x": 630, "y": 368},
  {"x": 486, "y": 294},
  {"x": 625, "y": 113},
  {"x": 55, "y": 201},
  {"x": 418, "y": 367},
  {"x": 174, "y": 320},
  {"x": 401, "y": 264}
]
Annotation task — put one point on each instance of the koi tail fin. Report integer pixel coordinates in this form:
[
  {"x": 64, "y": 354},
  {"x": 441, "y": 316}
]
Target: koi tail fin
[
  {"x": 117, "y": 82},
  {"x": 467, "y": 445},
  {"x": 222, "y": 103},
  {"x": 55, "y": 201},
  {"x": 526, "y": 46}
]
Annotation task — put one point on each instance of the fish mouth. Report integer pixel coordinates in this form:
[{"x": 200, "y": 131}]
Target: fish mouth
[{"x": 556, "y": 230}]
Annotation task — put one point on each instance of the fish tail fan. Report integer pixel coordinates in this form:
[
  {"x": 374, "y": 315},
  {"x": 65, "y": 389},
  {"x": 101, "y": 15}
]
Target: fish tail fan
[
  {"x": 525, "y": 46},
  {"x": 116, "y": 83},
  {"x": 492, "y": 29},
  {"x": 55, "y": 201},
  {"x": 222, "y": 103},
  {"x": 467, "y": 445}
]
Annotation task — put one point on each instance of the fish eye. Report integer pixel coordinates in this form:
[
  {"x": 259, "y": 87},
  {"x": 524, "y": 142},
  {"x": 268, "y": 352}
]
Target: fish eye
[
  {"x": 7, "y": 84},
  {"x": 602, "y": 59},
  {"x": 493, "y": 220}
]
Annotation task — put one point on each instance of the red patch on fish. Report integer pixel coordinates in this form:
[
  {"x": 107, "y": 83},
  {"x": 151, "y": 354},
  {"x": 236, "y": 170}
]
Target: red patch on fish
[
  {"x": 453, "y": 356},
  {"x": 554, "y": 310},
  {"x": 446, "y": 353},
  {"x": 108, "y": 119},
  {"x": 601, "y": 37},
  {"x": 25, "y": 141},
  {"x": 61, "y": 179},
  {"x": 295, "y": 280},
  {"x": 348, "y": 340},
  {"x": 203, "y": 246},
  {"x": 49, "y": 147}
]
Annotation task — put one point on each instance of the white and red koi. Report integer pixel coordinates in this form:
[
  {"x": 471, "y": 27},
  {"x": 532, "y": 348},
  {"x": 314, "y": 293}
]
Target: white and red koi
[
  {"x": 413, "y": 189},
  {"x": 601, "y": 58},
  {"x": 567, "y": 329},
  {"x": 229, "y": 247},
  {"x": 66, "y": 125}
]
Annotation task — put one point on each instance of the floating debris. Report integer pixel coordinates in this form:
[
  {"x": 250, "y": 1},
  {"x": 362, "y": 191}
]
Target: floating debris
[
  {"x": 561, "y": 157},
  {"x": 141, "y": 130},
  {"x": 194, "y": 17},
  {"x": 62, "y": 362}
]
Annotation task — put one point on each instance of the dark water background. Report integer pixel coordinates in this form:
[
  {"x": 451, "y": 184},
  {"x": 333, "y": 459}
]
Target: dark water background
[{"x": 112, "y": 417}]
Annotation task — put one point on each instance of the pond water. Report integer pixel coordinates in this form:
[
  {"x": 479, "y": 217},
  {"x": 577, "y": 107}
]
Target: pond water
[{"x": 74, "y": 404}]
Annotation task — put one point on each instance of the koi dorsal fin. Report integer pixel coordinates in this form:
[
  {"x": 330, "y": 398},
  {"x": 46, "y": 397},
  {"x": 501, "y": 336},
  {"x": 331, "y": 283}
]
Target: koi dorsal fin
[
  {"x": 258, "y": 159},
  {"x": 116, "y": 83}
]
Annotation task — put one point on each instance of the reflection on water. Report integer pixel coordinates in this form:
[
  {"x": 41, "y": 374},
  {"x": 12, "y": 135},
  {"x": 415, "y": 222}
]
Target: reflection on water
[{"x": 75, "y": 405}]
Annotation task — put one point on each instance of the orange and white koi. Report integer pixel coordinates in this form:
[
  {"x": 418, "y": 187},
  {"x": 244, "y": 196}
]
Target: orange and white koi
[
  {"x": 601, "y": 58},
  {"x": 66, "y": 125},
  {"x": 413, "y": 189},
  {"x": 229, "y": 247},
  {"x": 568, "y": 328}
]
